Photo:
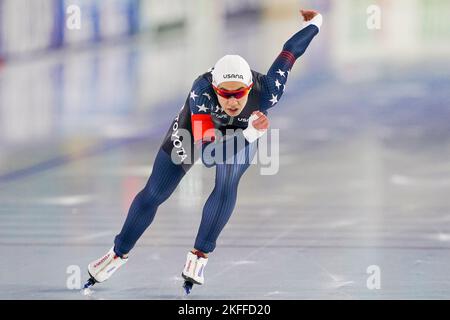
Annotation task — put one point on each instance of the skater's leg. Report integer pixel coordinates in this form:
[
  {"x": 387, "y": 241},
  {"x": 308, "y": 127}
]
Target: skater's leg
[
  {"x": 163, "y": 181},
  {"x": 165, "y": 177},
  {"x": 221, "y": 202},
  {"x": 216, "y": 212}
]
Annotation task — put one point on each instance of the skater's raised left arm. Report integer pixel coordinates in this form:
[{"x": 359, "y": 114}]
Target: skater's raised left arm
[{"x": 278, "y": 73}]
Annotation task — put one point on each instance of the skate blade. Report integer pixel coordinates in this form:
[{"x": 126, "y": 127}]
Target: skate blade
[
  {"x": 187, "y": 286},
  {"x": 87, "y": 291}
]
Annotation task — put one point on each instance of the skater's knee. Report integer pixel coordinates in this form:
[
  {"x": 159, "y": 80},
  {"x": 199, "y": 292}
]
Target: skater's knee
[
  {"x": 227, "y": 193},
  {"x": 151, "y": 196}
]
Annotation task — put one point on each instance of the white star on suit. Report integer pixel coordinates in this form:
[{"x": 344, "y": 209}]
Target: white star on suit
[
  {"x": 207, "y": 95},
  {"x": 277, "y": 84},
  {"x": 202, "y": 108},
  {"x": 218, "y": 109},
  {"x": 274, "y": 99},
  {"x": 281, "y": 73},
  {"x": 193, "y": 95}
]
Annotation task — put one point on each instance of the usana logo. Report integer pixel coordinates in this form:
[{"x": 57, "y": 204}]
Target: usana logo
[{"x": 233, "y": 76}]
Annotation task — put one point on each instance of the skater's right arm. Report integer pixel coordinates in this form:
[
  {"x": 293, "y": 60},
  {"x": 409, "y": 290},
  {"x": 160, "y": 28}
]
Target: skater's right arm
[
  {"x": 199, "y": 104},
  {"x": 203, "y": 129}
]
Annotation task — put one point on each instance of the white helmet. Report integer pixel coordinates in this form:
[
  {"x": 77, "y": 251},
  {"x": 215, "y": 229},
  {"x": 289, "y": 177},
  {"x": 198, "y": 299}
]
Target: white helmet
[{"x": 231, "y": 68}]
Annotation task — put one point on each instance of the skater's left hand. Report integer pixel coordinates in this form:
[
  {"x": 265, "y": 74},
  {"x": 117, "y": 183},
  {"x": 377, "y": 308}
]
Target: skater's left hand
[
  {"x": 262, "y": 123},
  {"x": 308, "y": 14}
]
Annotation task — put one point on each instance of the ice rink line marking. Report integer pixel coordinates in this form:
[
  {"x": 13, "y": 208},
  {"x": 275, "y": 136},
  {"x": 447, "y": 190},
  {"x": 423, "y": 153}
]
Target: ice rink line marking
[{"x": 61, "y": 160}]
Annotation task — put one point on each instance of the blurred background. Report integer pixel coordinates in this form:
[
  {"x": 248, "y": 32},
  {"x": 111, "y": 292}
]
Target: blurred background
[{"x": 364, "y": 144}]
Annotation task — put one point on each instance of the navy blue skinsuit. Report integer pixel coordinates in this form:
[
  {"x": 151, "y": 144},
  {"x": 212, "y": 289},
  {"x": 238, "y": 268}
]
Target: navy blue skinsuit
[{"x": 202, "y": 106}]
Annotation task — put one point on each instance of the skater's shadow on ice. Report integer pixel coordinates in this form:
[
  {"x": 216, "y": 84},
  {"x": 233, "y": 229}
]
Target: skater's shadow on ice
[
  {"x": 40, "y": 292},
  {"x": 99, "y": 293},
  {"x": 150, "y": 293}
]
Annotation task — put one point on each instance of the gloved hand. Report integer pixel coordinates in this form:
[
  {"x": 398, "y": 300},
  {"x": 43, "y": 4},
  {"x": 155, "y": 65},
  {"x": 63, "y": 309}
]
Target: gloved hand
[
  {"x": 311, "y": 17},
  {"x": 258, "y": 123}
]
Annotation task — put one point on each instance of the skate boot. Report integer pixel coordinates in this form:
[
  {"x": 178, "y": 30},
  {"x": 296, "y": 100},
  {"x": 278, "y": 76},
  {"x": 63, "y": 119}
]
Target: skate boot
[
  {"x": 193, "y": 270},
  {"x": 102, "y": 269}
]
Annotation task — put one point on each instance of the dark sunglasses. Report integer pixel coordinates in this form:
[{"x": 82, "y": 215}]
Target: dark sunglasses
[{"x": 227, "y": 94}]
